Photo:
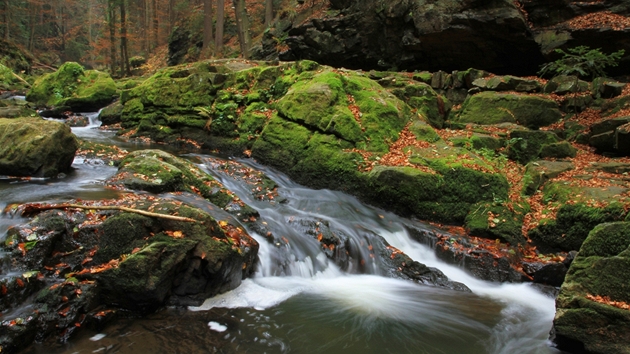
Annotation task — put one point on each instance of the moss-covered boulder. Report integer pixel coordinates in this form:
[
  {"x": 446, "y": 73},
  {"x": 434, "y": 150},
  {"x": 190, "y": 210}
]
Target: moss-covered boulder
[
  {"x": 9, "y": 81},
  {"x": 111, "y": 114},
  {"x": 565, "y": 84},
  {"x": 324, "y": 127},
  {"x": 528, "y": 145},
  {"x": 14, "y": 108},
  {"x": 537, "y": 173},
  {"x": 73, "y": 86},
  {"x": 157, "y": 171},
  {"x": 173, "y": 253},
  {"x": 35, "y": 147},
  {"x": 572, "y": 225},
  {"x": 351, "y": 107},
  {"x": 592, "y": 313},
  {"x": 494, "y": 108},
  {"x": 495, "y": 221},
  {"x": 507, "y": 83}
]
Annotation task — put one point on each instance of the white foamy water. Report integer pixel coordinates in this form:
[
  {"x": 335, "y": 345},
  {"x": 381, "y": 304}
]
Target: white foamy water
[{"x": 513, "y": 318}]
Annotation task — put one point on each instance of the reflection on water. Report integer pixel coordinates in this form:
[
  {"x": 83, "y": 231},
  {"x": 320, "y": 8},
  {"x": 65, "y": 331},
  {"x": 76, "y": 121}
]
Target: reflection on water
[{"x": 300, "y": 302}]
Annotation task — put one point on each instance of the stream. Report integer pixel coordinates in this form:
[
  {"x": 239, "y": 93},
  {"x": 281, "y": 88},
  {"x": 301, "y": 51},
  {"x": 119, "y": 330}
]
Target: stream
[{"x": 299, "y": 301}]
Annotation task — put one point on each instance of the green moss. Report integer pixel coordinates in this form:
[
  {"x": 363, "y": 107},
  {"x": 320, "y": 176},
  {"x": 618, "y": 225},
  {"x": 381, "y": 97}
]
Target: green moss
[
  {"x": 528, "y": 145},
  {"x": 424, "y": 132},
  {"x": 572, "y": 225},
  {"x": 494, "y": 108},
  {"x": 433, "y": 107},
  {"x": 158, "y": 171},
  {"x": 600, "y": 269},
  {"x": 320, "y": 103},
  {"x": 253, "y": 120},
  {"x": 73, "y": 86},
  {"x": 306, "y": 65},
  {"x": 382, "y": 115},
  {"x": 324, "y": 164},
  {"x": 503, "y": 224},
  {"x": 281, "y": 144}
]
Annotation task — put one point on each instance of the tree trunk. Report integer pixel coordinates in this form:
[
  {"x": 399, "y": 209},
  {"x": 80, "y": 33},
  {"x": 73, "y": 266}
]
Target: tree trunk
[
  {"x": 156, "y": 25},
  {"x": 268, "y": 12},
  {"x": 207, "y": 23},
  {"x": 171, "y": 16},
  {"x": 218, "y": 42},
  {"x": 124, "y": 53},
  {"x": 242, "y": 24},
  {"x": 7, "y": 17},
  {"x": 32, "y": 24},
  {"x": 111, "y": 10}
]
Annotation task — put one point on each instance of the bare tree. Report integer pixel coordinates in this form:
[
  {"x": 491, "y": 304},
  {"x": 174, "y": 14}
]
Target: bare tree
[
  {"x": 207, "y": 23},
  {"x": 242, "y": 25},
  {"x": 218, "y": 42},
  {"x": 268, "y": 12}
]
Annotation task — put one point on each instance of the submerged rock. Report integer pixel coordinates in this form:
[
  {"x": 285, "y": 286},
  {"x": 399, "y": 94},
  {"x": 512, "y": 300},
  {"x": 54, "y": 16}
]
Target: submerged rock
[
  {"x": 35, "y": 147},
  {"x": 592, "y": 308}
]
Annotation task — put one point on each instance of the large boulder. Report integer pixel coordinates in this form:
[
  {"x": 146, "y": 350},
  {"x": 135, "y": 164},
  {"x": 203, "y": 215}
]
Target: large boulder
[
  {"x": 593, "y": 311},
  {"x": 494, "y": 108},
  {"x": 572, "y": 225},
  {"x": 75, "y": 267},
  {"x": 35, "y": 147},
  {"x": 445, "y": 35},
  {"x": 325, "y": 127},
  {"x": 74, "y": 87}
]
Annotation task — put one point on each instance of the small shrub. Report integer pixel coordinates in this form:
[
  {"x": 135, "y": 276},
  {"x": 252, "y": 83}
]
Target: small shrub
[{"x": 581, "y": 61}]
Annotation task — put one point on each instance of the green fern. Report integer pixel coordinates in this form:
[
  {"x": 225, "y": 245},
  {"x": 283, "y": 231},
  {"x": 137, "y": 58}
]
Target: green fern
[
  {"x": 581, "y": 61},
  {"x": 206, "y": 113}
]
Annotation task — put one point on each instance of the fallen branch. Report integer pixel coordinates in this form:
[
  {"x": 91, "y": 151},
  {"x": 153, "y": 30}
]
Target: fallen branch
[
  {"x": 38, "y": 64},
  {"x": 30, "y": 209},
  {"x": 21, "y": 79}
]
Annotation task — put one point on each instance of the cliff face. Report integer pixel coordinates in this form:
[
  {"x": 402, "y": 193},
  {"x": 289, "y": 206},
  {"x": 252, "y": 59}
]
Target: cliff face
[{"x": 496, "y": 35}]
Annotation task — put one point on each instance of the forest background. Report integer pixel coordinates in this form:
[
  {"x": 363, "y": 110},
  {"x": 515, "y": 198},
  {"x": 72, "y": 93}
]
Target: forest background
[{"x": 120, "y": 34}]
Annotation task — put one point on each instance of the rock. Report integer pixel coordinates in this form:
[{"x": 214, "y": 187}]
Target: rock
[
  {"x": 111, "y": 114},
  {"x": 329, "y": 128},
  {"x": 16, "y": 112},
  {"x": 537, "y": 173},
  {"x": 585, "y": 317},
  {"x": 78, "y": 121},
  {"x": 529, "y": 145},
  {"x": 494, "y": 108},
  {"x": 86, "y": 263},
  {"x": 448, "y": 35},
  {"x": 493, "y": 221},
  {"x": 35, "y": 147},
  {"x": 479, "y": 141},
  {"x": 608, "y": 125},
  {"x": 157, "y": 171},
  {"x": 606, "y": 88},
  {"x": 459, "y": 251},
  {"x": 622, "y": 139},
  {"x": 71, "y": 85},
  {"x": 507, "y": 83},
  {"x": 572, "y": 225},
  {"x": 611, "y": 167},
  {"x": 563, "y": 85},
  {"x": 604, "y": 142},
  {"x": 551, "y": 274}
]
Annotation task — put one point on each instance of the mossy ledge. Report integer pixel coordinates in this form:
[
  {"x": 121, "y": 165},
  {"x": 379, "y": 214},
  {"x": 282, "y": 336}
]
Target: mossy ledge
[{"x": 322, "y": 126}]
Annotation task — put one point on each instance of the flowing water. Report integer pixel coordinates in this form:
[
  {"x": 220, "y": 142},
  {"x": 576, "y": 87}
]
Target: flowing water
[{"x": 299, "y": 301}]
